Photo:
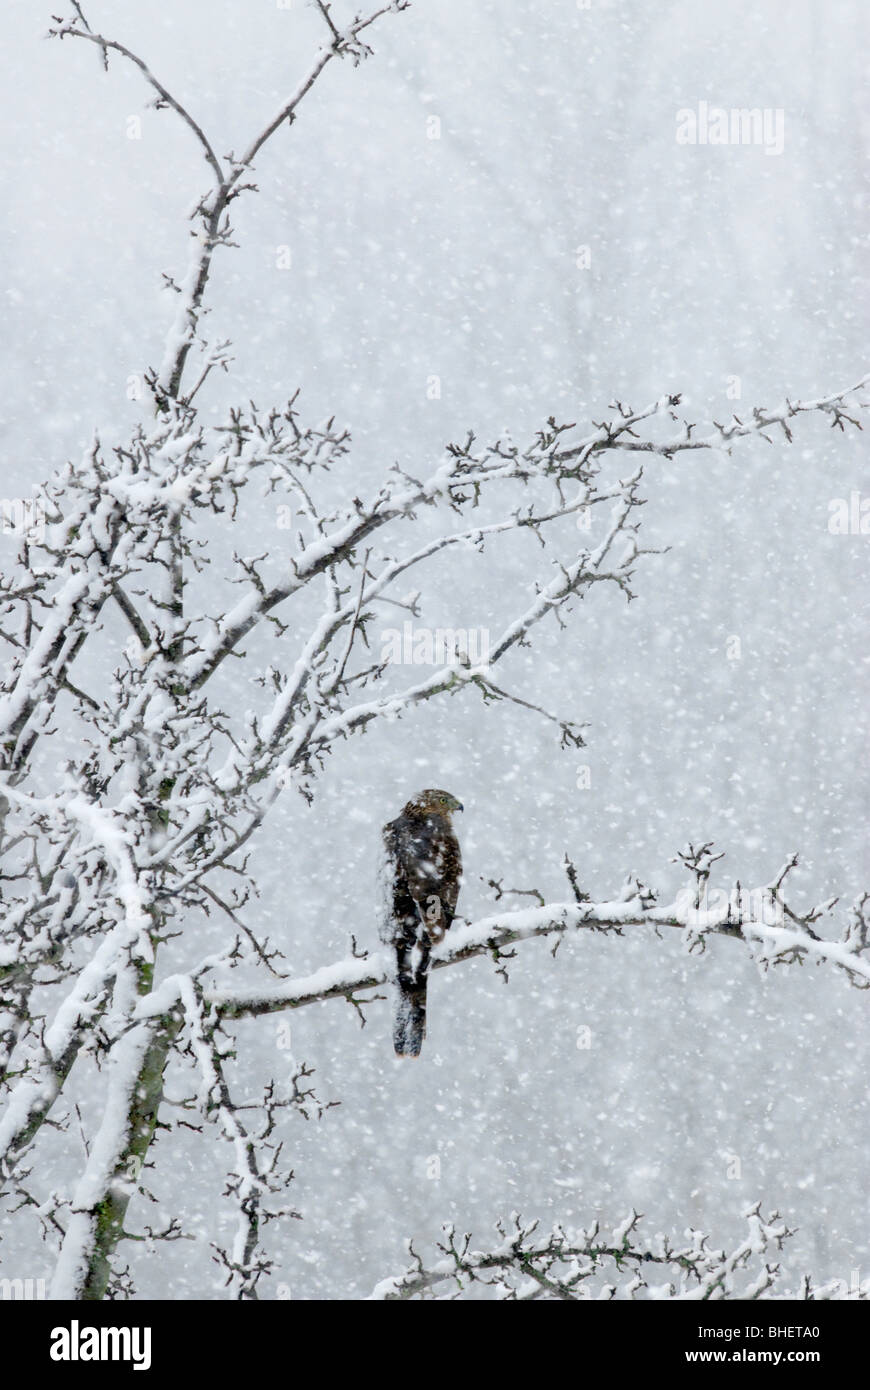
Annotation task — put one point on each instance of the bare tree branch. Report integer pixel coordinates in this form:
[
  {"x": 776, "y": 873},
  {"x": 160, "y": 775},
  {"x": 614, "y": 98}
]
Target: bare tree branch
[{"x": 164, "y": 97}]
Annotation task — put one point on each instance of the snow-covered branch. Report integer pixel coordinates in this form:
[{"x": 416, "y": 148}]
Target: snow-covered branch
[
  {"x": 600, "y": 1264},
  {"x": 621, "y": 434},
  {"x": 761, "y": 918}
]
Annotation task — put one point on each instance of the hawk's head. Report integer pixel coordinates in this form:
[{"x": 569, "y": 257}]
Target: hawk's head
[{"x": 432, "y": 802}]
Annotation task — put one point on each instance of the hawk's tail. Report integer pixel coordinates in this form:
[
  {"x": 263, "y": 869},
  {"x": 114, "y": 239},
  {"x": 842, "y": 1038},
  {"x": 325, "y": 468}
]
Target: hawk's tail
[{"x": 409, "y": 1024}]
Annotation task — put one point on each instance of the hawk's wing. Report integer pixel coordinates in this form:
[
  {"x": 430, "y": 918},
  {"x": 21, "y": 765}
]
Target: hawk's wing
[
  {"x": 388, "y": 879},
  {"x": 420, "y": 873}
]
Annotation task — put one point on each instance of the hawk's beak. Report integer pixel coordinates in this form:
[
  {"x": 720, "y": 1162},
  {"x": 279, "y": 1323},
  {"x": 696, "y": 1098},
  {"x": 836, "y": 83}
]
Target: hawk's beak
[{"x": 459, "y": 806}]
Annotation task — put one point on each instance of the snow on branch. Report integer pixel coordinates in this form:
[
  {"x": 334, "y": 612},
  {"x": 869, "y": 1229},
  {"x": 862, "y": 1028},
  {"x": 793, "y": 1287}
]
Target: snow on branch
[
  {"x": 599, "y": 1264},
  {"x": 622, "y": 435},
  {"x": 774, "y": 933}
]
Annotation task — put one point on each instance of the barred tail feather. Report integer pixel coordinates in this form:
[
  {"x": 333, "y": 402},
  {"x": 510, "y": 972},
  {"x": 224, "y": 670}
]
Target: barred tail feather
[
  {"x": 412, "y": 976},
  {"x": 409, "y": 1025}
]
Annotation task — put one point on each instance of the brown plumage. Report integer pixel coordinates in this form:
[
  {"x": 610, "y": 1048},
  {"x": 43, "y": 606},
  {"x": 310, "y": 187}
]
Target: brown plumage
[{"x": 421, "y": 875}]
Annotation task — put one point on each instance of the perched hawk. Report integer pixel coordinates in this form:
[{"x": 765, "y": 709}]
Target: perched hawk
[{"x": 420, "y": 876}]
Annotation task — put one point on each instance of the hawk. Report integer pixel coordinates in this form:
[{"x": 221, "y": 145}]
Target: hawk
[{"x": 420, "y": 876}]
